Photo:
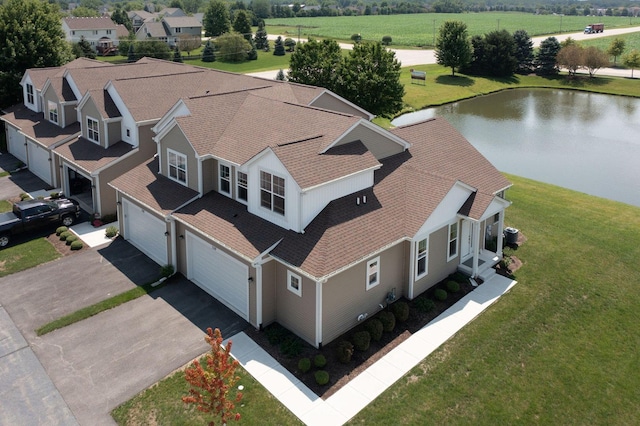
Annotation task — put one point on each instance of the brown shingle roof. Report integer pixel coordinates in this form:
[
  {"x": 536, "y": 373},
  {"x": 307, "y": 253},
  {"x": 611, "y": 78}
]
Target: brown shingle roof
[
  {"x": 90, "y": 23},
  {"x": 91, "y": 156},
  {"x": 36, "y": 127},
  {"x": 145, "y": 184}
]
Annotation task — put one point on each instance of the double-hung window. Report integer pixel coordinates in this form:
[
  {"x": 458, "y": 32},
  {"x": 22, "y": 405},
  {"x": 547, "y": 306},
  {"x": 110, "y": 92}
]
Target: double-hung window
[
  {"x": 422, "y": 250},
  {"x": 225, "y": 179},
  {"x": 53, "y": 112},
  {"x": 93, "y": 131},
  {"x": 272, "y": 192},
  {"x": 453, "y": 241},
  {"x": 373, "y": 273},
  {"x": 177, "y": 164},
  {"x": 30, "y": 98},
  {"x": 242, "y": 187}
]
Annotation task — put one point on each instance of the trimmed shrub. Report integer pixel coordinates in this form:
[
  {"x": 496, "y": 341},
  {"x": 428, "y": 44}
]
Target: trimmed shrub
[
  {"x": 71, "y": 238},
  {"x": 291, "y": 347},
  {"x": 76, "y": 245},
  {"x": 453, "y": 286},
  {"x": 64, "y": 235},
  {"x": 344, "y": 351},
  {"x": 424, "y": 304},
  {"x": 24, "y": 196},
  {"x": 166, "y": 271},
  {"x": 361, "y": 340},
  {"x": 459, "y": 277},
  {"x": 319, "y": 361},
  {"x": 304, "y": 365},
  {"x": 440, "y": 294},
  {"x": 400, "y": 311},
  {"x": 386, "y": 40},
  {"x": 276, "y": 334},
  {"x": 374, "y": 327},
  {"x": 61, "y": 229},
  {"x": 111, "y": 231},
  {"x": 388, "y": 321},
  {"x": 322, "y": 377}
]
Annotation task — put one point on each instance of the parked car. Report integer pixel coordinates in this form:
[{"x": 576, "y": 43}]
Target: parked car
[{"x": 34, "y": 214}]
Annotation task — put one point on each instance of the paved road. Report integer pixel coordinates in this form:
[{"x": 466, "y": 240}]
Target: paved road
[{"x": 418, "y": 57}]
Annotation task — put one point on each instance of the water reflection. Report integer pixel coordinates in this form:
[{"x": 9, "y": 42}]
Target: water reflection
[{"x": 583, "y": 141}]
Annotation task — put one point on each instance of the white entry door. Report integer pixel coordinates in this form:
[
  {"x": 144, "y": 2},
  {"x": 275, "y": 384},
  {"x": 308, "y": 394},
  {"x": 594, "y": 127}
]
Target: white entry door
[{"x": 466, "y": 240}]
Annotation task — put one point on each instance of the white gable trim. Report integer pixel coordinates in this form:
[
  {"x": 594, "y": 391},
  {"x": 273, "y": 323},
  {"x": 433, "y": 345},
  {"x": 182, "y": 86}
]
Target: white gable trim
[
  {"x": 74, "y": 87},
  {"x": 496, "y": 206},
  {"x": 179, "y": 109},
  {"x": 362, "y": 122},
  {"x": 447, "y": 209}
]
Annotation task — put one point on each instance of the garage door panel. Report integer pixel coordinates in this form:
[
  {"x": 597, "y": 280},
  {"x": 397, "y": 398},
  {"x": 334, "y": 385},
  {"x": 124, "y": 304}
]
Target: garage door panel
[
  {"x": 145, "y": 232},
  {"x": 219, "y": 274},
  {"x": 39, "y": 163},
  {"x": 16, "y": 144}
]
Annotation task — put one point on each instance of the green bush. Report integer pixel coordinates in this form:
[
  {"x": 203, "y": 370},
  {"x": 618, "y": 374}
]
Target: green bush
[
  {"x": 388, "y": 321},
  {"x": 344, "y": 351},
  {"x": 109, "y": 218},
  {"x": 440, "y": 294},
  {"x": 304, "y": 365},
  {"x": 319, "y": 361},
  {"x": 424, "y": 304},
  {"x": 166, "y": 271},
  {"x": 453, "y": 286},
  {"x": 322, "y": 377},
  {"x": 291, "y": 347},
  {"x": 24, "y": 196},
  {"x": 76, "y": 245},
  {"x": 361, "y": 340},
  {"x": 71, "y": 238},
  {"x": 459, "y": 277},
  {"x": 374, "y": 327},
  {"x": 54, "y": 195},
  {"x": 63, "y": 236},
  {"x": 61, "y": 229},
  {"x": 276, "y": 334},
  {"x": 111, "y": 231},
  {"x": 400, "y": 311}
]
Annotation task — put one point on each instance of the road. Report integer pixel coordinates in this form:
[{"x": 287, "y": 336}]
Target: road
[{"x": 418, "y": 57}]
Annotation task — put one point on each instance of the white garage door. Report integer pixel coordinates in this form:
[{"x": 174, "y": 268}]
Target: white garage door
[
  {"x": 15, "y": 144},
  {"x": 219, "y": 274},
  {"x": 145, "y": 232},
  {"x": 39, "y": 163}
]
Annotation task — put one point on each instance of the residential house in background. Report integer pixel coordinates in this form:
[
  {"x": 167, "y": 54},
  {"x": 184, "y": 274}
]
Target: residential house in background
[
  {"x": 170, "y": 29},
  {"x": 97, "y": 31},
  {"x": 315, "y": 221}
]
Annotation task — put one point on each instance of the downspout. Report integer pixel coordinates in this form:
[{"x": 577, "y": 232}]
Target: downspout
[
  {"x": 476, "y": 247},
  {"x": 258, "y": 282},
  {"x": 412, "y": 275},
  {"x": 174, "y": 254},
  {"x": 500, "y": 233},
  {"x": 319, "y": 313}
]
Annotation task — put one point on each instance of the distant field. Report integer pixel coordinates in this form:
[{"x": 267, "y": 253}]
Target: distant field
[
  {"x": 420, "y": 29},
  {"x": 632, "y": 41}
]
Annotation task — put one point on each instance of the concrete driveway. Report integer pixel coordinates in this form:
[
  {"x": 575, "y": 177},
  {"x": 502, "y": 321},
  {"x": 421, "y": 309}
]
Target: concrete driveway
[{"x": 100, "y": 362}]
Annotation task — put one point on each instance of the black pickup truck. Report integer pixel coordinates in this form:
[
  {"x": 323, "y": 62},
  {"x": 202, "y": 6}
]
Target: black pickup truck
[{"x": 33, "y": 214}]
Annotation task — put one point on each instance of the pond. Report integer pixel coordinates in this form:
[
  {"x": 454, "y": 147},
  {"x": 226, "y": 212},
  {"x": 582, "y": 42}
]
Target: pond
[{"x": 582, "y": 141}]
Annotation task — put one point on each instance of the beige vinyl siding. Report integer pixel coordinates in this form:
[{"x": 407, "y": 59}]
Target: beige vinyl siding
[
  {"x": 70, "y": 114},
  {"x": 209, "y": 175},
  {"x": 253, "y": 315},
  {"x": 49, "y": 95},
  {"x": 114, "y": 132},
  {"x": 379, "y": 145},
  {"x": 89, "y": 109},
  {"x": 296, "y": 313},
  {"x": 438, "y": 267},
  {"x": 177, "y": 141},
  {"x": 345, "y": 295},
  {"x": 181, "y": 249},
  {"x": 268, "y": 292},
  {"x": 329, "y": 102}
]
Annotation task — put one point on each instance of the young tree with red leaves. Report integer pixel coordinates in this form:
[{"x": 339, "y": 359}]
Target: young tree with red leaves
[{"x": 210, "y": 385}]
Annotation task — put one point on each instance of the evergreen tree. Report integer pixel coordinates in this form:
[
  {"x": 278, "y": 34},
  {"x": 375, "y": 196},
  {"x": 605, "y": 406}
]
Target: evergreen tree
[
  {"x": 131, "y": 55},
  {"x": 207, "y": 53},
  {"x": 261, "y": 40},
  {"x": 119, "y": 16},
  {"x": 216, "y": 19},
  {"x": 278, "y": 49},
  {"x": 177, "y": 56},
  {"x": 452, "y": 46},
  {"x": 502, "y": 48},
  {"x": 545, "y": 60},
  {"x": 280, "y": 76},
  {"x": 85, "y": 48},
  {"x": 242, "y": 25},
  {"x": 31, "y": 36},
  {"x": 524, "y": 52},
  {"x": 253, "y": 53}
]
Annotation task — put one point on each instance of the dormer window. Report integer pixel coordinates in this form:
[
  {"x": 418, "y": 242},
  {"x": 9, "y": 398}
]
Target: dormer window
[
  {"x": 93, "y": 130},
  {"x": 272, "y": 192},
  {"x": 53, "y": 112},
  {"x": 242, "y": 187},
  {"x": 30, "y": 98},
  {"x": 225, "y": 179},
  {"x": 177, "y": 164},
  {"x": 178, "y": 30}
]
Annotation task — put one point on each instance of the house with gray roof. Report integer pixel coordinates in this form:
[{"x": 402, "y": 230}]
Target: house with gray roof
[
  {"x": 96, "y": 30},
  {"x": 315, "y": 221},
  {"x": 169, "y": 29}
]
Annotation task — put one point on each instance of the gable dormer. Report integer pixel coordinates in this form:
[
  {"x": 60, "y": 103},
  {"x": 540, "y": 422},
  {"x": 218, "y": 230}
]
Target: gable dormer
[{"x": 30, "y": 95}]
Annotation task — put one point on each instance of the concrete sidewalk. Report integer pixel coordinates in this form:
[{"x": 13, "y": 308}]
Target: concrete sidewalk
[{"x": 361, "y": 391}]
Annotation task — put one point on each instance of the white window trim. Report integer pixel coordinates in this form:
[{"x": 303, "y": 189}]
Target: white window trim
[
  {"x": 296, "y": 291},
  {"x": 368, "y": 283},
  {"x": 97, "y": 131},
  {"x": 30, "y": 95},
  {"x": 239, "y": 185},
  {"x": 450, "y": 240},
  {"x": 186, "y": 167},
  {"x": 229, "y": 179},
  {"x": 272, "y": 193},
  {"x": 53, "y": 112},
  {"x": 418, "y": 257}
]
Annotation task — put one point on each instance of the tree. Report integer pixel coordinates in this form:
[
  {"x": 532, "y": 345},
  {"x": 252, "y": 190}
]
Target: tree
[
  {"x": 290, "y": 44},
  {"x": 261, "y": 8},
  {"x": 452, "y": 46},
  {"x": 188, "y": 43},
  {"x": 84, "y": 12},
  {"x": 494, "y": 55},
  {"x": 242, "y": 25},
  {"x": 232, "y": 47},
  {"x": 545, "y": 60},
  {"x": 252, "y": 55},
  {"x": 571, "y": 57},
  {"x": 119, "y": 16},
  {"x": 616, "y": 48},
  {"x": 370, "y": 78},
  {"x": 386, "y": 40},
  {"x": 278, "y": 48},
  {"x": 316, "y": 63},
  {"x": 207, "y": 53},
  {"x": 177, "y": 56},
  {"x": 524, "y": 52},
  {"x": 211, "y": 384},
  {"x": 569, "y": 41},
  {"x": 192, "y": 6},
  {"x": 216, "y": 19},
  {"x": 178, "y": 4},
  {"x": 152, "y": 49},
  {"x": 594, "y": 59},
  {"x": 84, "y": 48},
  {"x": 356, "y": 38},
  {"x": 31, "y": 36},
  {"x": 131, "y": 55},
  {"x": 632, "y": 60},
  {"x": 280, "y": 76},
  {"x": 261, "y": 40}
]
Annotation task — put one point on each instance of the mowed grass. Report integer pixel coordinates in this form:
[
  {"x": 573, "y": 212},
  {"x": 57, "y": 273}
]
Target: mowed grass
[
  {"x": 19, "y": 257},
  {"x": 632, "y": 41},
  {"x": 418, "y": 29},
  {"x": 561, "y": 347}
]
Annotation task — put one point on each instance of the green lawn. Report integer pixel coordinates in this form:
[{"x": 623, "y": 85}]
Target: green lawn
[
  {"x": 418, "y": 29},
  {"x": 5, "y": 206},
  {"x": 16, "y": 258}
]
